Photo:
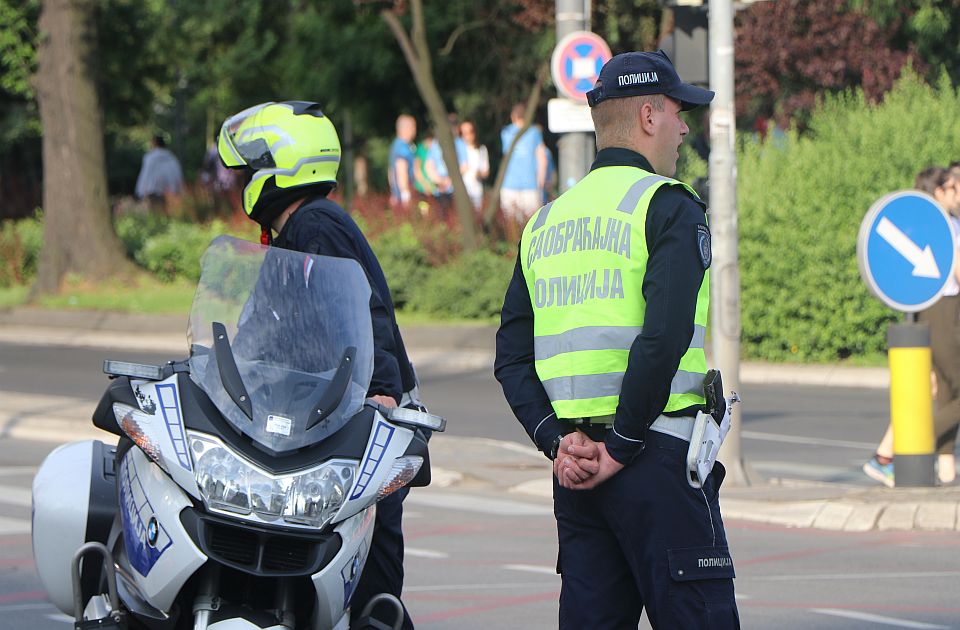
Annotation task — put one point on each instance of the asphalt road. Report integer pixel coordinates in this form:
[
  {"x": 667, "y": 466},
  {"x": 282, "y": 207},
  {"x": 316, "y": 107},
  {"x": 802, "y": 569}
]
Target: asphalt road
[{"x": 469, "y": 567}]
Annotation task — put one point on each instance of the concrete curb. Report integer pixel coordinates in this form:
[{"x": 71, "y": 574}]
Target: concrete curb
[{"x": 463, "y": 347}]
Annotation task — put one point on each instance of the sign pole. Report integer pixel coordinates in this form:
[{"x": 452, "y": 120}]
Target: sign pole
[
  {"x": 575, "y": 150},
  {"x": 911, "y": 405}
]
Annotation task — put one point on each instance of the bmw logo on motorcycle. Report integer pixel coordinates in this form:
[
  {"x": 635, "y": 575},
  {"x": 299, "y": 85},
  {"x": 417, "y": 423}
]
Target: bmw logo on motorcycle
[{"x": 153, "y": 531}]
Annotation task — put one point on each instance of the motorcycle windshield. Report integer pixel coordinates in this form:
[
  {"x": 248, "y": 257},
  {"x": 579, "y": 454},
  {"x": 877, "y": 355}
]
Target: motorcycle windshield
[{"x": 281, "y": 341}]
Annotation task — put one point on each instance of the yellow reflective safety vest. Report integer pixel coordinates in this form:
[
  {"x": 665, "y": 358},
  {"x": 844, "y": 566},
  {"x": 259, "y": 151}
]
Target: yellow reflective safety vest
[{"x": 584, "y": 257}]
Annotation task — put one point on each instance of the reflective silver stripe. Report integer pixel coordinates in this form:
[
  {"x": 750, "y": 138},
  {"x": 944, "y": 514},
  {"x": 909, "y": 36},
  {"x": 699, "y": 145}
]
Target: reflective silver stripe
[
  {"x": 687, "y": 383},
  {"x": 632, "y": 198},
  {"x": 681, "y": 427},
  {"x": 541, "y": 424},
  {"x": 268, "y": 172},
  {"x": 585, "y": 338},
  {"x": 584, "y": 386},
  {"x": 541, "y": 217},
  {"x": 699, "y": 337}
]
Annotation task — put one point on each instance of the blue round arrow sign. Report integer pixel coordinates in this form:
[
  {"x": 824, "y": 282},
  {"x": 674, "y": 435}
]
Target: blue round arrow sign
[{"x": 906, "y": 250}]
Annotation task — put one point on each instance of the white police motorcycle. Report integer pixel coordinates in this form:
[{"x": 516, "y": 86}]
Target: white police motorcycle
[{"x": 241, "y": 493}]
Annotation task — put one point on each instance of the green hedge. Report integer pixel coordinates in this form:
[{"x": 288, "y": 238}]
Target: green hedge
[
  {"x": 801, "y": 202},
  {"x": 20, "y": 243},
  {"x": 470, "y": 286}
]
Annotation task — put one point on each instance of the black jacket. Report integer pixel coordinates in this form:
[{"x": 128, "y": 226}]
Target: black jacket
[
  {"x": 320, "y": 226},
  {"x": 674, "y": 273}
]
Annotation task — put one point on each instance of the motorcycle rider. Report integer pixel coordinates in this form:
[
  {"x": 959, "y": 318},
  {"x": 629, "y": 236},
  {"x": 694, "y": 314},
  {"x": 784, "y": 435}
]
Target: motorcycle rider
[{"x": 291, "y": 152}]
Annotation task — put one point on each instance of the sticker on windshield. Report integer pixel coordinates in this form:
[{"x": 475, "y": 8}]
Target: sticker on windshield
[{"x": 279, "y": 425}]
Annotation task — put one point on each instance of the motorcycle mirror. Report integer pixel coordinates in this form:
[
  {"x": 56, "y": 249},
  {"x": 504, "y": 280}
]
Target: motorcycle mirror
[{"x": 136, "y": 370}]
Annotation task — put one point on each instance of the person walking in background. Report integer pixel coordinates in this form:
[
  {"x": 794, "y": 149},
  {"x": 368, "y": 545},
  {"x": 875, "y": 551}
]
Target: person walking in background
[
  {"x": 400, "y": 162},
  {"x": 476, "y": 166},
  {"x": 161, "y": 179},
  {"x": 437, "y": 170},
  {"x": 522, "y": 190},
  {"x": 943, "y": 319}
]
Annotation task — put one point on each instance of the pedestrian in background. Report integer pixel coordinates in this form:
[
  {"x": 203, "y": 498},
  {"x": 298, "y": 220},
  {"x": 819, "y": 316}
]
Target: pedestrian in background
[
  {"x": 160, "y": 181},
  {"x": 400, "y": 163},
  {"x": 600, "y": 354},
  {"x": 522, "y": 190},
  {"x": 943, "y": 319},
  {"x": 437, "y": 170},
  {"x": 476, "y": 165}
]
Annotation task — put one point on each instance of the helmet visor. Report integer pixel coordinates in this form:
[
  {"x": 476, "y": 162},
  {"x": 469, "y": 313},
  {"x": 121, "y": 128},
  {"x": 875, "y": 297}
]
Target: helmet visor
[{"x": 241, "y": 142}]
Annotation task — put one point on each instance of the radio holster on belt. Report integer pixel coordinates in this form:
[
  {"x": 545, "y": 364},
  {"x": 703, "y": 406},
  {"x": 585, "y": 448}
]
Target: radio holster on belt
[{"x": 709, "y": 429}]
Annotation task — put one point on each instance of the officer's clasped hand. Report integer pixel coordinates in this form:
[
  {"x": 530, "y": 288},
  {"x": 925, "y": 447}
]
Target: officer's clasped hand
[{"x": 582, "y": 463}]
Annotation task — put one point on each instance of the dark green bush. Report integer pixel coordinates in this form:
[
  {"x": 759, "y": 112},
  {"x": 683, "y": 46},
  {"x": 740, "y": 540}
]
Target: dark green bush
[
  {"x": 404, "y": 262},
  {"x": 468, "y": 287},
  {"x": 175, "y": 252},
  {"x": 20, "y": 244},
  {"x": 801, "y": 202},
  {"x": 136, "y": 229}
]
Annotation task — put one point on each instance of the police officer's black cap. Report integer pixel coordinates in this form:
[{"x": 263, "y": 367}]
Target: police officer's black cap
[{"x": 641, "y": 73}]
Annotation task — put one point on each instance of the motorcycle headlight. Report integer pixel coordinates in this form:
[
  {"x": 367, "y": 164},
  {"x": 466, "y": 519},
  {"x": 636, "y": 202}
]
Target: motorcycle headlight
[
  {"x": 404, "y": 470},
  {"x": 229, "y": 483}
]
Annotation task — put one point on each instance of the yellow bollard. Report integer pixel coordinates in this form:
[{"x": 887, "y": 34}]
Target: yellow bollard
[{"x": 911, "y": 405}]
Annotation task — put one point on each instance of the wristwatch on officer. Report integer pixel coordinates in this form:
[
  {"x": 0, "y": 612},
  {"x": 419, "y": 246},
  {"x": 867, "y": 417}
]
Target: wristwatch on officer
[{"x": 555, "y": 446}]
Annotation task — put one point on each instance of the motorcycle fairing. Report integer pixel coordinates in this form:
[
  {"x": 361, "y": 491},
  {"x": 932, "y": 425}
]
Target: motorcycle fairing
[
  {"x": 329, "y": 583},
  {"x": 165, "y": 428},
  {"x": 156, "y": 496},
  {"x": 146, "y": 539}
]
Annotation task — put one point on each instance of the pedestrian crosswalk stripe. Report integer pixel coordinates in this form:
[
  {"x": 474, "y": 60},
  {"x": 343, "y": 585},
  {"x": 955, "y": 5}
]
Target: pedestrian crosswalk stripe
[
  {"x": 12, "y": 526},
  {"x": 13, "y": 495}
]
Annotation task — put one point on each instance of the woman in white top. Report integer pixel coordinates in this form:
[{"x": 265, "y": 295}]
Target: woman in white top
[{"x": 477, "y": 165}]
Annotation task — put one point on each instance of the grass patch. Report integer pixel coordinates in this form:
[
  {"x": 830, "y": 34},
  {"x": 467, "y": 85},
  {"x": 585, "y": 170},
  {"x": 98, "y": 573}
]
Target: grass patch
[{"x": 143, "y": 294}]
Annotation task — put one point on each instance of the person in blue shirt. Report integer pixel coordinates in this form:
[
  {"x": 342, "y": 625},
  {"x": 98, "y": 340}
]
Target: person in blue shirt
[
  {"x": 437, "y": 170},
  {"x": 522, "y": 191},
  {"x": 400, "y": 162}
]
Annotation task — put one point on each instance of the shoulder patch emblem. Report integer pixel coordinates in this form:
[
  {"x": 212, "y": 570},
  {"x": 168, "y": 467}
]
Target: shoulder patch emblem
[{"x": 703, "y": 246}]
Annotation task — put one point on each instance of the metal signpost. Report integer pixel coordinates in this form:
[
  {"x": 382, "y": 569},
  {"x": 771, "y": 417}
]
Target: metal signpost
[
  {"x": 906, "y": 251},
  {"x": 575, "y": 65}
]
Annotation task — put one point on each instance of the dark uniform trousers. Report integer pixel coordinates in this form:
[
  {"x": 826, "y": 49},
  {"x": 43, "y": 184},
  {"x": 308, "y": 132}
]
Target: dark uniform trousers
[
  {"x": 383, "y": 571},
  {"x": 645, "y": 539}
]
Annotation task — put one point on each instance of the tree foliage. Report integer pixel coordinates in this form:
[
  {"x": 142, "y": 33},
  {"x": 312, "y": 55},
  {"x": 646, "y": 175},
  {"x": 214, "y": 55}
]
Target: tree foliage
[
  {"x": 801, "y": 201},
  {"x": 790, "y": 52}
]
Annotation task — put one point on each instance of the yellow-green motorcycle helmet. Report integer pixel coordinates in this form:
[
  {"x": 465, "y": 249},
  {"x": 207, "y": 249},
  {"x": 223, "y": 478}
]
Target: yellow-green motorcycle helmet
[{"x": 287, "y": 146}]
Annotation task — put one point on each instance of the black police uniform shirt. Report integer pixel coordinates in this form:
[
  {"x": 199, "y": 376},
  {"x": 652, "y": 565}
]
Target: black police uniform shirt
[
  {"x": 675, "y": 270},
  {"x": 320, "y": 226}
]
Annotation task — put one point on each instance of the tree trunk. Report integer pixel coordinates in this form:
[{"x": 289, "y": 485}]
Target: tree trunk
[
  {"x": 78, "y": 234},
  {"x": 417, "y": 54}
]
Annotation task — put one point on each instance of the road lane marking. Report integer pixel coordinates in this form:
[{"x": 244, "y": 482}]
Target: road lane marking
[
  {"x": 886, "y": 621},
  {"x": 12, "y": 495},
  {"x": 470, "y": 503},
  {"x": 425, "y": 553},
  {"x": 794, "y": 469},
  {"x": 14, "y": 471},
  {"x": 14, "y": 607},
  {"x": 531, "y": 568},
  {"x": 863, "y": 576},
  {"x": 474, "y": 587},
  {"x": 799, "y": 439},
  {"x": 12, "y": 526}
]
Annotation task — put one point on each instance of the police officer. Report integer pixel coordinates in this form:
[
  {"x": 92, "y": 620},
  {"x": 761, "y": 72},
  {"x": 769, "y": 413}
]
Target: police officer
[
  {"x": 600, "y": 353},
  {"x": 291, "y": 152}
]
